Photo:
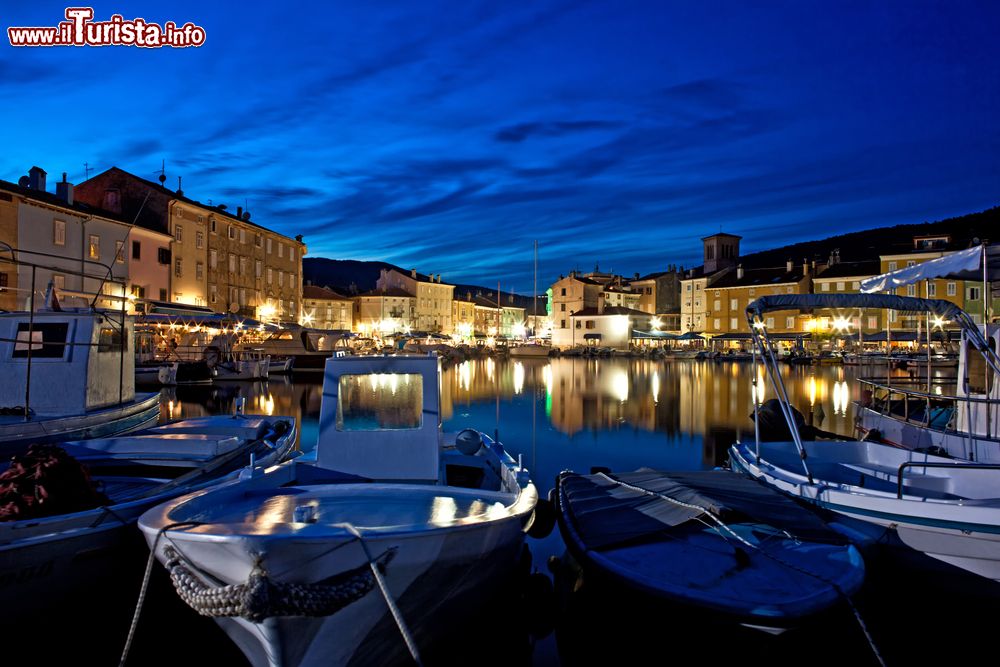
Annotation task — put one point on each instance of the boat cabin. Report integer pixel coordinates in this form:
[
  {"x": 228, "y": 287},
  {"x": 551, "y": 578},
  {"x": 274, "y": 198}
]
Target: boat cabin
[
  {"x": 79, "y": 360},
  {"x": 381, "y": 418}
]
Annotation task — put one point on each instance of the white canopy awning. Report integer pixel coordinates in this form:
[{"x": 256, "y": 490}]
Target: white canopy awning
[{"x": 963, "y": 260}]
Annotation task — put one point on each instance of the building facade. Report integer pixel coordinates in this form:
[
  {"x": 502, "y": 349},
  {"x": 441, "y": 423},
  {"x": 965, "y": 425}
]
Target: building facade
[
  {"x": 324, "y": 308},
  {"x": 384, "y": 312},
  {"x": 219, "y": 259},
  {"x": 609, "y": 326},
  {"x": 433, "y": 297}
]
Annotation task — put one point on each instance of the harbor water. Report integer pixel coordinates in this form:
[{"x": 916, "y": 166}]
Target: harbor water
[{"x": 575, "y": 413}]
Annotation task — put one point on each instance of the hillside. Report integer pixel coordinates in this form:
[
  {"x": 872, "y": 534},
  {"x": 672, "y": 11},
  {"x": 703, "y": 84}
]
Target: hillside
[{"x": 868, "y": 244}]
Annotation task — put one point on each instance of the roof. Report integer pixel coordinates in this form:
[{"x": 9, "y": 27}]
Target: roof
[
  {"x": 758, "y": 277},
  {"x": 392, "y": 291},
  {"x": 712, "y": 236},
  {"x": 652, "y": 276},
  {"x": 317, "y": 292},
  {"x": 610, "y": 310},
  {"x": 421, "y": 277},
  {"x": 173, "y": 195},
  {"x": 868, "y": 267},
  {"x": 56, "y": 200}
]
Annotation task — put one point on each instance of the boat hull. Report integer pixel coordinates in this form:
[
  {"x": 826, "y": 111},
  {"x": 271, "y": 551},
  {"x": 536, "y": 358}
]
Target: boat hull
[
  {"x": 16, "y": 433},
  {"x": 964, "y": 535},
  {"x": 902, "y": 433}
]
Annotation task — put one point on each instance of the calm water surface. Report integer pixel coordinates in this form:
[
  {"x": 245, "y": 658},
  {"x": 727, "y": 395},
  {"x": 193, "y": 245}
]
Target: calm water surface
[{"x": 573, "y": 413}]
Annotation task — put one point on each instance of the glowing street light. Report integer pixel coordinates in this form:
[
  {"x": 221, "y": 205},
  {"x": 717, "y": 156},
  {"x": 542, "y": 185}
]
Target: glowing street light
[
  {"x": 656, "y": 323},
  {"x": 841, "y": 323}
]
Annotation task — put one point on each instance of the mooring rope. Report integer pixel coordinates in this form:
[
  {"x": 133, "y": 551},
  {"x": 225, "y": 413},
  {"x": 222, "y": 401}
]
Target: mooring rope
[{"x": 721, "y": 524}]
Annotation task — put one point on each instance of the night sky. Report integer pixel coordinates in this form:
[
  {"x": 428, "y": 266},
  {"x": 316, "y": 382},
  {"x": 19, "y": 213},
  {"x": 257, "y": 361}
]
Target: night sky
[{"x": 447, "y": 136}]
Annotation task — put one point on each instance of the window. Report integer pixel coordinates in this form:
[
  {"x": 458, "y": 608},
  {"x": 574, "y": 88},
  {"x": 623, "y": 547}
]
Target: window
[
  {"x": 910, "y": 263},
  {"x": 199, "y": 240},
  {"x": 258, "y": 268},
  {"x": 734, "y": 304},
  {"x": 733, "y": 324},
  {"x": 951, "y": 289},
  {"x": 590, "y": 324},
  {"x": 718, "y": 323},
  {"x": 840, "y": 286},
  {"x": 872, "y": 322},
  {"x": 199, "y": 271},
  {"x": 270, "y": 275},
  {"x": 281, "y": 278},
  {"x": 752, "y": 291},
  {"x": 243, "y": 296},
  {"x": 931, "y": 290},
  {"x": 243, "y": 236},
  {"x": 110, "y": 340},
  {"x": 824, "y": 287},
  {"x": 243, "y": 266},
  {"x": 179, "y": 213},
  {"x": 120, "y": 252},
  {"x": 211, "y": 225},
  {"x": 233, "y": 295},
  {"x": 46, "y": 340},
  {"x": 213, "y": 259},
  {"x": 281, "y": 249},
  {"x": 213, "y": 294},
  {"x": 94, "y": 246},
  {"x": 59, "y": 233},
  {"x": 718, "y": 292},
  {"x": 974, "y": 293},
  {"x": 163, "y": 255},
  {"x": 687, "y": 288},
  {"x": 269, "y": 249},
  {"x": 717, "y": 304},
  {"x": 789, "y": 290},
  {"x": 138, "y": 291},
  {"x": 789, "y": 322},
  {"x": 562, "y": 307},
  {"x": 232, "y": 263},
  {"x": 769, "y": 323},
  {"x": 856, "y": 285},
  {"x": 178, "y": 233},
  {"x": 892, "y": 266},
  {"x": 4, "y": 280},
  {"x": 232, "y": 232},
  {"x": 577, "y": 324},
  {"x": 892, "y": 315},
  {"x": 258, "y": 240},
  {"x": 911, "y": 290},
  {"x": 163, "y": 294},
  {"x": 136, "y": 250}
]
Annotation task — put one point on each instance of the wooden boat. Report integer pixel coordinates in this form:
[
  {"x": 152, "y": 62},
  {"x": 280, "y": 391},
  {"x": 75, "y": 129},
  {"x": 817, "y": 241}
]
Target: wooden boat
[
  {"x": 530, "y": 350},
  {"x": 75, "y": 379},
  {"x": 388, "y": 531},
  {"x": 49, "y": 558},
  {"x": 714, "y": 540}
]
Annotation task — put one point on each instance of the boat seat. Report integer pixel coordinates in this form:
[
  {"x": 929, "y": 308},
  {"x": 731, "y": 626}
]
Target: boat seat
[{"x": 911, "y": 477}]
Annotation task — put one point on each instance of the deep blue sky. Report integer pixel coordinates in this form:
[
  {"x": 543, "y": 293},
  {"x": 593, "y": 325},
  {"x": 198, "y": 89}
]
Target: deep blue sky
[{"x": 446, "y": 136}]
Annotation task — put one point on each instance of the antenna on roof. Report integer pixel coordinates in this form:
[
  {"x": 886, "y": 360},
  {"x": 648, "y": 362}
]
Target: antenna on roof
[
  {"x": 163, "y": 172},
  {"x": 86, "y": 171}
]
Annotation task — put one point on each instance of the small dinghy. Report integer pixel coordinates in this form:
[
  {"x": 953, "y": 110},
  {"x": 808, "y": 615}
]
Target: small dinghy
[
  {"x": 365, "y": 553},
  {"x": 714, "y": 539},
  {"x": 67, "y": 511}
]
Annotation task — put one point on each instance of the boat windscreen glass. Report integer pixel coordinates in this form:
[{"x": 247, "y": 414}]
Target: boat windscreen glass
[{"x": 380, "y": 401}]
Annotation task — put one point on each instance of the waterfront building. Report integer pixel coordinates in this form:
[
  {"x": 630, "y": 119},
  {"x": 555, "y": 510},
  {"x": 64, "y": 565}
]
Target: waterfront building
[
  {"x": 488, "y": 316},
  {"x": 76, "y": 238},
  {"x": 218, "y": 258},
  {"x": 607, "y": 326},
  {"x": 323, "y": 308},
  {"x": 433, "y": 298},
  {"x": 845, "y": 278},
  {"x": 463, "y": 316},
  {"x": 384, "y": 312},
  {"x": 659, "y": 295},
  {"x": 728, "y": 296},
  {"x": 571, "y": 294},
  {"x": 720, "y": 254}
]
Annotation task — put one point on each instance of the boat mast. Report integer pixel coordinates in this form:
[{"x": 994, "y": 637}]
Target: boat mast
[{"x": 534, "y": 293}]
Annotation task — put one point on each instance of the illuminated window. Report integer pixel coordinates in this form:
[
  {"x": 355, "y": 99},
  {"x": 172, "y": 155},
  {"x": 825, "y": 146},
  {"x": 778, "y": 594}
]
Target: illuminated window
[{"x": 94, "y": 246}]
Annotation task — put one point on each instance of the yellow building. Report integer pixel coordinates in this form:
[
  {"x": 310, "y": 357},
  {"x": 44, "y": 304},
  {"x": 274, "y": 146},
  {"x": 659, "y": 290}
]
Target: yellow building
[
  {"x": 384, "y": 312},
  {"x": 846, "y": 278},
  {"x": 720, "y": 253},
  {"x": 432, "y": 297},
  {"x": 323, "y": 308},
  {"x": 728, "y": 297},
  {"x": 463, "y": 315}
]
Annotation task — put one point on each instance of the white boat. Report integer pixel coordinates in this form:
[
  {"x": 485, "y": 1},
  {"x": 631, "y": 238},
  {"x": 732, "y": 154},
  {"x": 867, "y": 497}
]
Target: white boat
[
  {"x": 530, "y": 350},
  {"x": 246, "y": 365},
  {"x": 964, "y": 425},
  {"x": 947, "y": 508},
  {"x": 280, "y": 365},
  {"x": 68, "y": 375},
  {"x": 310, "y": 348},
  {"x": 364, "y": 551},
  {"x": 49, "y": 558}
]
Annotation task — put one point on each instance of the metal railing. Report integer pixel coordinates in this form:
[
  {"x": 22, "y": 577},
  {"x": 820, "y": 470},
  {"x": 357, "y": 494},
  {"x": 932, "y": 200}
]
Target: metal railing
[{"x": 883, "y": 402}]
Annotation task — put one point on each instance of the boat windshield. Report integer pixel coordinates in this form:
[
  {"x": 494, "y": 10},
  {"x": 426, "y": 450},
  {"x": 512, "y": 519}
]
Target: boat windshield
[{"x": 380, "y": 401}]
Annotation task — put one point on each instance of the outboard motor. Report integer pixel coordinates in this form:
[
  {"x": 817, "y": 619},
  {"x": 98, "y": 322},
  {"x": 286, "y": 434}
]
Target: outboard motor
[{"x": 773, "y": 427}]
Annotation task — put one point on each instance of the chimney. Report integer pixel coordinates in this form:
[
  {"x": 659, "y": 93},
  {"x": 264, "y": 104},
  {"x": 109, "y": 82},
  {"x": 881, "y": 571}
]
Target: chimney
[
  {"x": 739, "y": 272},
  {"x": 805, "y": 266},
  {"x": 180, "y": 192},
  {"x": 413, "y": 273},
  {"x": 438, "y": 278},
  {"x": 239, "y": 212},
  {"x": 64, "y": 190},
  {"x": 36, "y": 178}
]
